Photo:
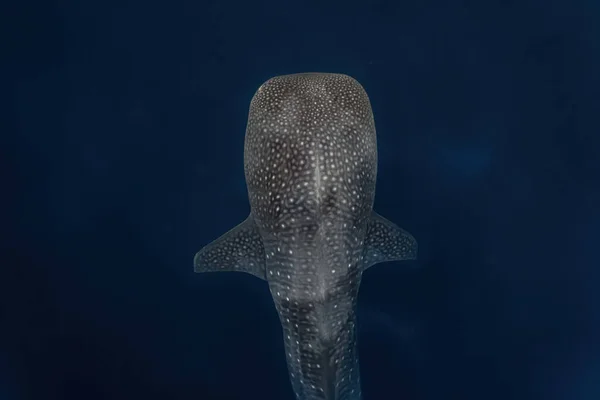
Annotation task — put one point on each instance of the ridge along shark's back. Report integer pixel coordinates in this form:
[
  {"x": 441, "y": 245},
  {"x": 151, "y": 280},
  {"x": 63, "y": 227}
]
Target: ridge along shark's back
[{"x": 311, "y": 164}]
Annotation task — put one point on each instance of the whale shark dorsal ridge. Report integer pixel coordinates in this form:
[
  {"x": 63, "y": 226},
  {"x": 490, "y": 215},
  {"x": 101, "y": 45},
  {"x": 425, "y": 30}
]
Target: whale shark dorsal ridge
[
  {"x": 241, "y": 249},
  {"x": 385, "y": 241}
]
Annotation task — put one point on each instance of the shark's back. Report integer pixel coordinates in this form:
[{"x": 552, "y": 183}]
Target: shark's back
[{"x": 311, "y": 164}]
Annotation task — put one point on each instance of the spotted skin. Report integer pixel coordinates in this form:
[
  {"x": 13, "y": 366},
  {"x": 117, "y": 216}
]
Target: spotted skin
[{"x": 311, "y": 163}]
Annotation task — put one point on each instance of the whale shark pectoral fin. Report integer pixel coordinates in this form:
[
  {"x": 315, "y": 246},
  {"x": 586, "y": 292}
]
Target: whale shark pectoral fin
[
  {"x": 240, "y": 249},
  {"x": 385, "y": 241}
]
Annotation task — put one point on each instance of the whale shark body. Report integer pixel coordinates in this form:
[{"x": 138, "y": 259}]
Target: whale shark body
[{"x": 310, "y": 162}]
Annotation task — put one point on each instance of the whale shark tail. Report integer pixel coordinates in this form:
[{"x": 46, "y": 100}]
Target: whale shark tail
[{"x": 329, "y": 372}]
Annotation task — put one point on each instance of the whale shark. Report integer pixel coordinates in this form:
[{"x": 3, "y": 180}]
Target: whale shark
[{"x": 310, "y": 163}]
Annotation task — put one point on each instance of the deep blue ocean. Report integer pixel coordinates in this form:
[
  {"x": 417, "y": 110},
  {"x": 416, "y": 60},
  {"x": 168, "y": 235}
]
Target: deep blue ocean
[{"x": 121, "y": 155}]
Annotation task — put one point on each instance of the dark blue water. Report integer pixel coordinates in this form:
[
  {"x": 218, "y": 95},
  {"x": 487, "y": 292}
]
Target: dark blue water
[{"x": 121, "y": 156}]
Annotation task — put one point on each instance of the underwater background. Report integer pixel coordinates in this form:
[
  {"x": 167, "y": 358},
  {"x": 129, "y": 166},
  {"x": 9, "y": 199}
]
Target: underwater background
[{"x": 121, "y": 156}]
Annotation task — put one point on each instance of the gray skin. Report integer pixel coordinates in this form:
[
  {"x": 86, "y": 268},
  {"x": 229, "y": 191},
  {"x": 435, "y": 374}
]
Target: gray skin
[{"x": 311, "y": 164}]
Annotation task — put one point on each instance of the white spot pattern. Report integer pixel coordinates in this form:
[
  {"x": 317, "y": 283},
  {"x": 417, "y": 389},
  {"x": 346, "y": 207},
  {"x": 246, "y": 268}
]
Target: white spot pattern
[{"x": 311, "y": 163}]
